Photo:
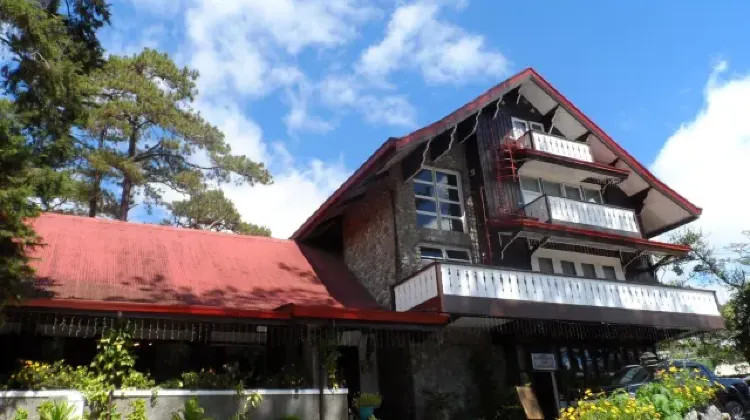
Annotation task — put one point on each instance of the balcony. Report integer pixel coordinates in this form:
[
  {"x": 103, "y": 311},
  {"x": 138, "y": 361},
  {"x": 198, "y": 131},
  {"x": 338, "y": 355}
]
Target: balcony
[
  {"x": 561, "y": 210},
  {"x": 468, "y": 290},
  {"x": 556, "y": 146}
]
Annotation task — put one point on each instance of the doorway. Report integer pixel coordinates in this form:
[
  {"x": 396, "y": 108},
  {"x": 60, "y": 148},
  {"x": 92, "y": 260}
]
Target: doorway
[{"x": 543, "y": 383}]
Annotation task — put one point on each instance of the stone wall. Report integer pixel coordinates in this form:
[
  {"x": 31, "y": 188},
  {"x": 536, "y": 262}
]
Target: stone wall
[{"x": 444, "y": 364}]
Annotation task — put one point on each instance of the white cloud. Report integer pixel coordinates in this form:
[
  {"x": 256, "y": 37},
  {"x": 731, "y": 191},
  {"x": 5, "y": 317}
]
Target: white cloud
[
  {"x": 707, "y": 159},
  {"x": 299, "y": 118},
  {"x": 416, "y": 37},
  {"x": 346, "y": 92}
]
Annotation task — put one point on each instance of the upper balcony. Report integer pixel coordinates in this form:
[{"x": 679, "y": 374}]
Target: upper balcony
[
  {"x": 471, "y": 290},
  {"x": 545, "y": 149},
  {"x": 583, "y": 214}
]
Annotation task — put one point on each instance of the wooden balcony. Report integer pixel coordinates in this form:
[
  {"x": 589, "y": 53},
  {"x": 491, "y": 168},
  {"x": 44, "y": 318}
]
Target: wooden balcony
[
  {"x": 556, "y": 146},
  {"x": 584, "y": 214},
  {"x": 470, "y": 290}
]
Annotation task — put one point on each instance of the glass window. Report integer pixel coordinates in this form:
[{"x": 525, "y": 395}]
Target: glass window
[
  {"x": 588, "y": 270},
  {"x": 536, "y": 126},
  {"x": 609, "y": 272},
  {"x": 573, "y": 193},
  {"x": 430, "y": 253},
  {"x": 568, "y": 268},
  {"x": 592, "y": 195},
  {"x": 530, "y": 184},
  {"x": 546, "y": 266},
  {"x": 552, "y": 188},
  {"x": 519, "y": 127},
  {"x": 438, "y": 200}
]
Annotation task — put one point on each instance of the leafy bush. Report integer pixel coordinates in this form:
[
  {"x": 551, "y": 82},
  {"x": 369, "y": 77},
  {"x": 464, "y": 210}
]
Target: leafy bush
[
  {"x": 21, "y": 414},
  {"x": 191, "y": 411},
  {"x": 137, "y": 410},
  {"x": 670, "y": 397},
  {"x": 50, "y": 410},
  {"x": 229, "y": 378},
  {"x": 366, "y": 399}
]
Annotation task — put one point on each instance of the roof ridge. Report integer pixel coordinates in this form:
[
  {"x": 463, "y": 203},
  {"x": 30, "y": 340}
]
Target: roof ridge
[{"x": 151, "y": 226}]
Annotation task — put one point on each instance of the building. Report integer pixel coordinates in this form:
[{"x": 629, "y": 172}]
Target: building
[{"x": 513, "y": 233}]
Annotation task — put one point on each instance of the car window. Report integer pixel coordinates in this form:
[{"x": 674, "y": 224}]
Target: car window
[{"x": 630, "y": 375}]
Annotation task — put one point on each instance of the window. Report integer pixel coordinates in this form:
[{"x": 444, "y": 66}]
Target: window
[
  {"x": 589, "y": 270},
  {"x": 430, "y": 253},
  {"x": 591, "y": 195},
  {"x": 552, "y": 188},
  {"x": 530, "y": 189},
  {"x": 545, "y": 265},
  {"x": 520, "y": 127},
  {"x": 438, "y": 200},
  {"x": 609, "y": 272},
  {"x": 536, "y": 126},
  {"x": 568, "y": 267},
  {"x": 574, "y": 193}
]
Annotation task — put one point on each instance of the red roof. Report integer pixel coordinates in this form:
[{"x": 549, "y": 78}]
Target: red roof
[
  {"x": 94, "y": 260},
  {"x": 393, "y": 144}
]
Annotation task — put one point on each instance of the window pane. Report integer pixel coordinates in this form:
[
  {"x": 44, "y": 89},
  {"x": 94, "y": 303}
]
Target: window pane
[
  {"x": 536, "y": 126},
  {"x": 530, "y": 184},
  {"x": 573, "y": 193},
  {"x": 427, "y": 221},
  {"x": 449, "y": 179},
  {"x": 457, "y": 254},
  {"x": 592, "y": 196},
  {"x": 545, "y": 265},
  {"x": 609, "y": 272},
  {"x": 448, "y": 209},
  {"x": 424, "y": 175},
  {"x": 519, "y": 128},
  {"x": 568, "y": 268},
  {"x": 455, "y": 225},
  {"x": 423, "y": 189},
  {"x": 447, "y": 193},
  {"x": 589, "y": 270},
  {"x": 429, "y": 252},
  {"x": 424, "y": 204},
  {"x": 552, "y": 188}
]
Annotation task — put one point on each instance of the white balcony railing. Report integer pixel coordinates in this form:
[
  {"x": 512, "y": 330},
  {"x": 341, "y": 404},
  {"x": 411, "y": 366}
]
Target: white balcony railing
[
  {"x": 548, "y": 208},
  {"x": 496, "y": 283},
  {"x": 556, "y": 146}
]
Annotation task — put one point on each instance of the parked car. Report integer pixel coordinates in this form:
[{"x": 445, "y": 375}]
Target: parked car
[{"x": 734, "y": 399}]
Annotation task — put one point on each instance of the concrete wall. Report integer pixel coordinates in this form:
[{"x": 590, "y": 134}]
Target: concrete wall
[
  {"x": 11, "y": 401},
  {"x": 218, "y": 404}
]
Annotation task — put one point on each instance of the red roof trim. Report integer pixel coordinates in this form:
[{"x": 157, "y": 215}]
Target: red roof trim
[
  {"x": 692, "y": 208},
  {"x": 286, "y": 312},
  {"x": 533, "y": 223},
  {"x": 360, "y": 173},
  {"x": 326, "y": 312},
  {"x": 593, "y": 165},
  {"x": 194, "y": 310}
]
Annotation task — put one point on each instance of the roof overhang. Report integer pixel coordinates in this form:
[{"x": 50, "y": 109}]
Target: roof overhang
[{"x": 663, "y": 209}]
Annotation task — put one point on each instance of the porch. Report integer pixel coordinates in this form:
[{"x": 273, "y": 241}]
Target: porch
[
  {"x": 484, "y": 291},
  {"x": 584, "y": 214}
]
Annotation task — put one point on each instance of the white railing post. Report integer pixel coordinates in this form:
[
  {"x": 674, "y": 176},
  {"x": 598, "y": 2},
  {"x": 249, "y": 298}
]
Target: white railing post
[
  {"x": 593, "y": 214},
  {"x": 559, "y": 146}
]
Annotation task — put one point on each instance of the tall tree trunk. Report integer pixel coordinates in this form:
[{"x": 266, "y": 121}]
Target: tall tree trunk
[
  {"x": 96, "y": 183},
  {"x": 127, "y": 183}
]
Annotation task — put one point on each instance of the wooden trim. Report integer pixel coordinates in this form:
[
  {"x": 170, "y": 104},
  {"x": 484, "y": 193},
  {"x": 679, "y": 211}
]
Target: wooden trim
[
  {"x": 574, "y": 163},
  {"x": 385, "y": 316}
]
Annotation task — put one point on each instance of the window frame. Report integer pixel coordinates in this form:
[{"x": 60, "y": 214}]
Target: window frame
[
  {"x": 438, "y": 201},
  {"x": 540, "y": 184},
  {"x": 444, "y": 250},
  {"x": 513, "y": 121},
  {"x": 578, "y": 259}
]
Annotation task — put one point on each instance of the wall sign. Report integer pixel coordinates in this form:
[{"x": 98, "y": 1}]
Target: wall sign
[{"x": 543, "y": 361}]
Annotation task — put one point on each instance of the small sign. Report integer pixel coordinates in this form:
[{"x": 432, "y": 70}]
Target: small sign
[{"x": 543, "y": 361}]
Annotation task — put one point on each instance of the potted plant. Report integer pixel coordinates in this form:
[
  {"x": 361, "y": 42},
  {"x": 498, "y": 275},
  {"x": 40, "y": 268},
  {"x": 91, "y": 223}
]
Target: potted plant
[{"x": 367, "y": 403}]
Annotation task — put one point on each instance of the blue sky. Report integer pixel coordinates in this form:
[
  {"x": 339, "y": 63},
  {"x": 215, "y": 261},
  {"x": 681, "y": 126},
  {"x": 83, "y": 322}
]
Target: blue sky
[{"x": 314, "y": 87}]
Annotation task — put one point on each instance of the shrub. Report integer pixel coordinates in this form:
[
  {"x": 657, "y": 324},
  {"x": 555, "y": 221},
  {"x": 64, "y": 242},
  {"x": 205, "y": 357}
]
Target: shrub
[
  {"x": 50, "y": 410},
  {"x": 21, "y": 414},
  {"x": 366, "y": 399},
  {"x": 670, "y": 397},
  {"x": 191, "y": 411}
]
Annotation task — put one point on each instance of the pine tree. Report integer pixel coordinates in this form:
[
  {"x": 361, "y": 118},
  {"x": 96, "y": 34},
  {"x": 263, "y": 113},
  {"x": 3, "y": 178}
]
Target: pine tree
[
  {"x": 211, "y": 210},
  {"x": 144, "y": 135}
]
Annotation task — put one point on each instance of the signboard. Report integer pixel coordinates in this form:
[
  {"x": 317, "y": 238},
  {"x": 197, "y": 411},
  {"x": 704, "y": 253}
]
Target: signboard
[{"x": 543, "y": 361}]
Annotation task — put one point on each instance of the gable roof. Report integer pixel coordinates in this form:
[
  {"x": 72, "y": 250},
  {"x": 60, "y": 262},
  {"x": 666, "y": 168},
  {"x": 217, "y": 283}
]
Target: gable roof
[
  {"x": 94, "y": 260},
  {"x": 395, "y": 149}
]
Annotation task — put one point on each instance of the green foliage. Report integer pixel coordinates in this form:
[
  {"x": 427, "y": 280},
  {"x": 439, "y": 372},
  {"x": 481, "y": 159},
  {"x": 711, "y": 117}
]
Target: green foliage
[
  {"x": 252, "y": 401},
  {"x": 54, "y": 410},
  {"x": 290, "y": 418},
  {"x": 191, "y": 411},
  {"x": 671, "y": 397},
  {"x": 211, "y": 210},
  {"x": 21, "y": 414},
  {"x": 114, "y": 359},
  {"x": 367, "y": 399},
  {"x": 137, "y": 410},
  {"x": 144, "y": 135},
  {"x": 327, "y": 344},
  {"x": 228, "y": 378}
]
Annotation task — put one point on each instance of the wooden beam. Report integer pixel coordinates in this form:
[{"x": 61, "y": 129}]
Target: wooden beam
[
  {"x": 538, "y": 246},
  {"x": 512, "y": 238},
  {"x": 583, "y": 137}
]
